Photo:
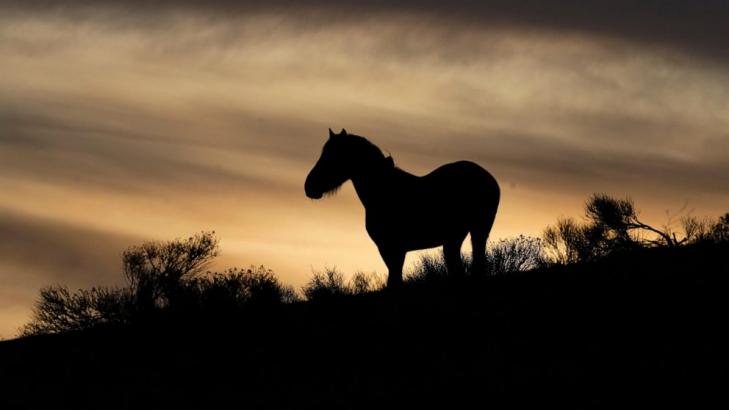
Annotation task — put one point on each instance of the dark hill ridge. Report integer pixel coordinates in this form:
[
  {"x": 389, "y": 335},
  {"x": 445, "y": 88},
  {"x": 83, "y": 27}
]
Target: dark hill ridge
[{"x": 646, "y": 326}]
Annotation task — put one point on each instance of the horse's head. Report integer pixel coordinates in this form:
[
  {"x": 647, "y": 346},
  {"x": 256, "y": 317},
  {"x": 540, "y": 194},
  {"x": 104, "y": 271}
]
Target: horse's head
[
  {"x": 331, "y": 170},
  {"x": 343, "y": 157}
]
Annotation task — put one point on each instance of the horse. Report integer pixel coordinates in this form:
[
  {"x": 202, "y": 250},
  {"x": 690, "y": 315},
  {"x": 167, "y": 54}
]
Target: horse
[{"x": 405, "y": 212}]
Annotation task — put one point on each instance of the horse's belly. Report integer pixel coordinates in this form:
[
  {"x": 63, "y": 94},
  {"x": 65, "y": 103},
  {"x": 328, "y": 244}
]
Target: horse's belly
[{"x": 408, "y": 233}]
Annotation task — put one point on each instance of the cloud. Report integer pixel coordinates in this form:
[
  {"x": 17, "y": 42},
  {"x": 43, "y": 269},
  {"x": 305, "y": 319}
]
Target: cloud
[
  {"x": 55, "y": 252},
  {"x": 693, "y": 27},
  {"x": 74, "y": 151},
  {"x": 211, "y": 103},
  {"x": 172, "y": 101}
]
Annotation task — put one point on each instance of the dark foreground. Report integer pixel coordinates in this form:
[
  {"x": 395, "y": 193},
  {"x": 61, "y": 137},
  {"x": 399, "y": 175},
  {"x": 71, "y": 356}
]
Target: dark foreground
[{"x": 647, "y": 328}]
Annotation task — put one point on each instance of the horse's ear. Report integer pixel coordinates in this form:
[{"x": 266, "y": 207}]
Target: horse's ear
[
  {"x": 331, "y": 133},
  {"x": 344, "y": 132}
]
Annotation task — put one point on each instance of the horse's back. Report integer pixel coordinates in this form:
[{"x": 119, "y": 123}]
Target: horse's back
[
  {"x": 461, "y": 192},
  {"x": 466, "y": 179}
]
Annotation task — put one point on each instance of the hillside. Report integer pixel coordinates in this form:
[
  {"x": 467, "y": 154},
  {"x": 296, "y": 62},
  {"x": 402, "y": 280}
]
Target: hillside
[{"x": 648, "y": 325}]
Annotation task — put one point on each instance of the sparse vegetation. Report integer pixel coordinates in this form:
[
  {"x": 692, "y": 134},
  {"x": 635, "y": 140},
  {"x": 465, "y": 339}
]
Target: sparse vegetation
[
  {"x": 172, "y": 277},
  {"x": 505, "y": 256},
  {"x": 162, "y": 278}
]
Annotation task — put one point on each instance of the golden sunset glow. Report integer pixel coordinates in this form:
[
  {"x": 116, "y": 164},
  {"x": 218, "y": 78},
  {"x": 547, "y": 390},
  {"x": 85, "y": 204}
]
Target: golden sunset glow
[{"x": 118, "y": 126}]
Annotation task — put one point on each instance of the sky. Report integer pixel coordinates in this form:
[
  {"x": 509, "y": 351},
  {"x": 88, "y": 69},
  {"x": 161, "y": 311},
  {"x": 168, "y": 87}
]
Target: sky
[{"x": 126, "y": 123}]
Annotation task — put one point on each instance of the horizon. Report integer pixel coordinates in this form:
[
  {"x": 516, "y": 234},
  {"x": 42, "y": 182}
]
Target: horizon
[{"x": 123, "y": 124}]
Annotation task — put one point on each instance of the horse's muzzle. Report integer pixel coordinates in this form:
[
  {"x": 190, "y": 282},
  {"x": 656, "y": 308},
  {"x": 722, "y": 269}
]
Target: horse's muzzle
[{"x": 313, "y": 195}]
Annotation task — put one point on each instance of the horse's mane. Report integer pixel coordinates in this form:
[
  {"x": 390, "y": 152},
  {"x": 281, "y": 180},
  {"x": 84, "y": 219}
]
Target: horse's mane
[
  {"x": 367, "y": 148},
  {"x": 362, "y": 152}
]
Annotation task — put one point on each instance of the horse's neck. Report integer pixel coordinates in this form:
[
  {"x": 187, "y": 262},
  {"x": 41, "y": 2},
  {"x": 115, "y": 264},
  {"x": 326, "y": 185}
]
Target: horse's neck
[
  {"x": 376, "y": 188},
  {"x": 369, "y": 189}
]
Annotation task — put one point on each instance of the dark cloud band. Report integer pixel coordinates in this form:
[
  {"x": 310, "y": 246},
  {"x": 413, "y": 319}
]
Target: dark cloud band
[{"x": 694, "y": 27}]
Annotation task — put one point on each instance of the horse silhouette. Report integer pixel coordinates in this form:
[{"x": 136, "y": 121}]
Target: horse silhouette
[{"x": 405, "y": 212}]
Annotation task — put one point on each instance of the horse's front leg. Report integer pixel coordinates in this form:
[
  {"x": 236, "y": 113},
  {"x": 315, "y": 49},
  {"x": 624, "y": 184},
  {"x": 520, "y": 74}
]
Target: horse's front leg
[{"x": 394, "y": 260}]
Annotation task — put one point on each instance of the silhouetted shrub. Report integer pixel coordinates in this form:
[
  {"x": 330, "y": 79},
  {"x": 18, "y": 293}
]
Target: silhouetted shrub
[
  {"x": 362, "y": 283},
  {"x": 331, "y": 284},
  {"x": 429, "y": 268},
  {"x": 236, "y": 288},
  {"x": 697, "y": 229},
  {"x": 325, "y": 285},
  {"x": 155, "y": 271},
  {"x": 613, "y": 225},
  {"x": 706, "y": 230},
  {"x": 720, "y": 230},
  {"x": 570, "y": 242},
  {"x": 518, "y": 254},
  {"x": 59, "y": 309},
  {"x": 162, "y": 277}
]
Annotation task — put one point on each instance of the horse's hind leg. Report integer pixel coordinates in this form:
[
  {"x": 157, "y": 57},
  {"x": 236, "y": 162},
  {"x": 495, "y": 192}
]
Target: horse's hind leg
[
  {"x": 478, "y": 243},
  {"x": 394, "y": 261},
  {"x": 479, "y": 236}
]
